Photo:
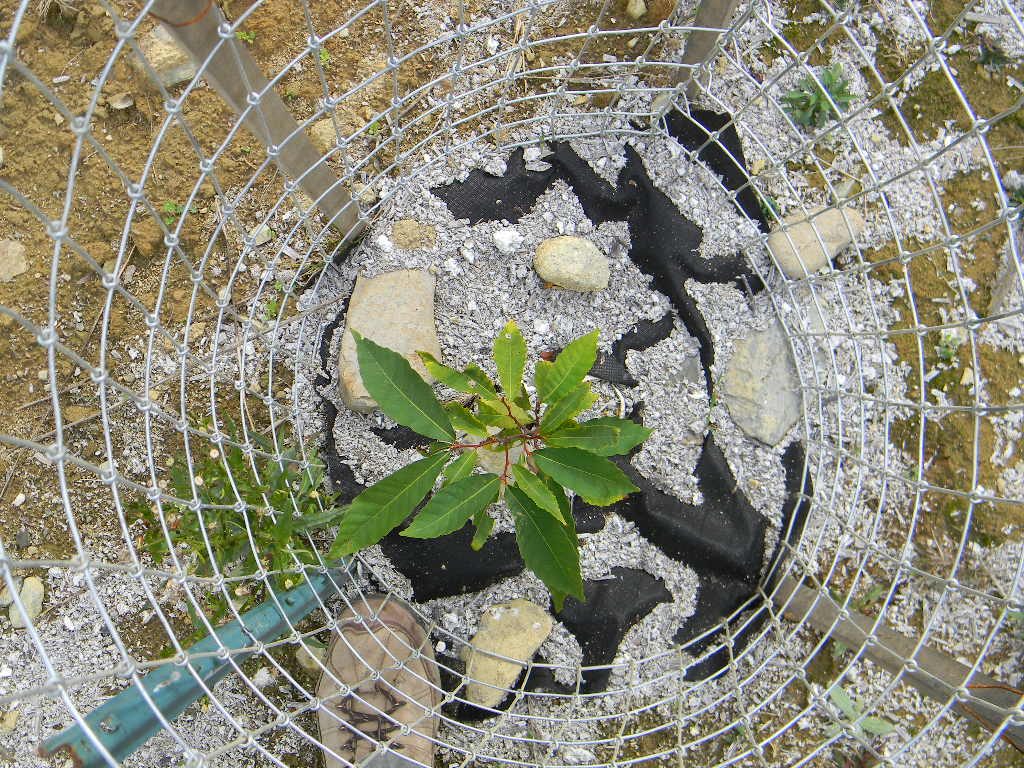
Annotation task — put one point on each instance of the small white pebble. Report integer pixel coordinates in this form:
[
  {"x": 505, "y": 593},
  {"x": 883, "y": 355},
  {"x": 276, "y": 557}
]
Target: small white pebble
[{"x": 18, "y": 500}]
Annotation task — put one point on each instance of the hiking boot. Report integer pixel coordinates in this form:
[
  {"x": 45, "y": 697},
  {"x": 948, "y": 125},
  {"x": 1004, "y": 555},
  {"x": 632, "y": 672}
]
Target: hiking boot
[{"x": 383, "y": 637}]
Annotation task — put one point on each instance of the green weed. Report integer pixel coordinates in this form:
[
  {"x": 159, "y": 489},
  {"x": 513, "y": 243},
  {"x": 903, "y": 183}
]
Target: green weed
[
  {"x": 809, "y": 103},
  {"x": 282, "y": 505}
]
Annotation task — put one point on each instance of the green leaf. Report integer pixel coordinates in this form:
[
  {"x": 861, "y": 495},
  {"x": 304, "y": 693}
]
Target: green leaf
[
  {"x": 321, "y": 519},
  {"x": 464, "y": 420},
  {"x": 523, "y": 401},
  {"x": 548, "y": 547},
  {"x": 382, "y": 506},
  {"x": 843, "y": 701},
  {"x": 494, "y": 415},
  {"x": 538, "y": 492},
  {"x": 554, "y": 380},
  {"x": 510, "y": 358},
  {"x": 877, "y": 726},
  {"x": 460, "y": 468},
  {"x": 574, "y": 403},
  {"x": 401, "y": 392},
  {"x": 484, "y": 525},
  {"x": 594, "y": 478},
  {"x": 520, "y": 414},
  {"x": 594, "y": 436},
  {"x": 473, "y": 382},
  {"x": 453, "y": 505},
  {"x": 485, "y": 387},
  {"x": 564, "y": 506}
]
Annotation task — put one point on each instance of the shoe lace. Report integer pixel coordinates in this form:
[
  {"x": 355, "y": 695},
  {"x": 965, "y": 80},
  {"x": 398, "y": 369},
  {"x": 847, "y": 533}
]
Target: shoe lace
[{"x": 377, "y": 725}]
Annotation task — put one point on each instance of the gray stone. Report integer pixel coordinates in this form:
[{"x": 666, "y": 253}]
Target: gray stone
[
  {"x": 514, "y": 630},
  {"x": 572, "y": 262},
  {"x": 31, "y": 598},
  {"x": 410, "y": 235},
  {"x": 12, "y": 260},
  {"x": 760, "y": 386},
  {"x": 171, "y": 62},
  {"x": 396, "y": 310},
  {"x": 797, "y": 244}
]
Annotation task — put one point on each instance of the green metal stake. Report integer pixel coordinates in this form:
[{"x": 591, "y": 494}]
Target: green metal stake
[{"x": 128, "y": 720}]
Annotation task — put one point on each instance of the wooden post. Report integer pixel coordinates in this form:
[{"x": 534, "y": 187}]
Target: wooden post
[
  {"x": 715, "y": 15},
  {"x": 234, "y": 74},
  {"x": 933, "y": 673}
]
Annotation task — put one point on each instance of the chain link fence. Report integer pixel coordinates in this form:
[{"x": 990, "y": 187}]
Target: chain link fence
[{"x": 173, "y": 230}]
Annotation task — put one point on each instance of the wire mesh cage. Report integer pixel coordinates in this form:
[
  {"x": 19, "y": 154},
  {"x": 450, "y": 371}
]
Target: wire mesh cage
[{"x": 821, "y": 197}]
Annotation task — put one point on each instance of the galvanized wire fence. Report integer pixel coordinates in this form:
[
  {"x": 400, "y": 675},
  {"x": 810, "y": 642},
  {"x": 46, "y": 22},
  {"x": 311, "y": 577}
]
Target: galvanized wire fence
[{"x": 151, "y": 335}]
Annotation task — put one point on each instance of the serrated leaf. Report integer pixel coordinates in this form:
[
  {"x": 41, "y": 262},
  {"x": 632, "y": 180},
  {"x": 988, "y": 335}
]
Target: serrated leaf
[
  {"x": 535, "y": 488},
  {"x": 383, "y": 506},
  {"x": 595, "y": 479},
  {"x": 484, "y": 525},
  {"x": 877, "y": 726},
  {"x": 510, "y": 358},
  {"x": 460, "y": 468},
  {"x": 588, "y": 436},
  {"x": 464, "y": 420},
  {"x": 554, "y": 380},
  {"x": 576, "y": 400},
  {"x": 548, "y": 547},
  {"x": 450, "y": 508},
  {"x": 401, "y": 392}
]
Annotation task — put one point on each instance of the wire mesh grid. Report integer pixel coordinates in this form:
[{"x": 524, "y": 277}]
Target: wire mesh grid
[{"x": 152, "y": 337}]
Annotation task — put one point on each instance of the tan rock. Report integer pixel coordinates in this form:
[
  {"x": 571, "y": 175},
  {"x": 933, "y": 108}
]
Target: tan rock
[
  {"x": 514, "y": 630},
  {"x": 635, "y": 9},
  {"x": 310, "y": 657},
  {"x": 12, "y": 260},
  {"x": 396, "y": 310},
  {"x": 170, "y": 61},
  {"x": 572, "y": 262},
  {"x": 31, "y": 596},
  {"x": 324, "y": 133},
  {"x": 409, "y": 235},
  {"x": 9, "y": 721},
  {"x": 148, "y": 238},
  {"x": 797, "y": 244}
]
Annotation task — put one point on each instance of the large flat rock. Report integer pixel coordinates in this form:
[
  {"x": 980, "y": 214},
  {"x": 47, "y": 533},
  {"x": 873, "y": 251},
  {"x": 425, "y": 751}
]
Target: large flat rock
[
  {"x": 807, "y": 242},
  {"x": 513, "y": 630},
  {"x": 396, "y": 310},
  {"x": 761, "y": 388}
]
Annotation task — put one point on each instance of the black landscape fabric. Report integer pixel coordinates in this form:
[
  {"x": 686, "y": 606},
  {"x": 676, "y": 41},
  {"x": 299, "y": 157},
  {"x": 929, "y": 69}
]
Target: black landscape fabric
[{"x": 723, "y": 539}]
